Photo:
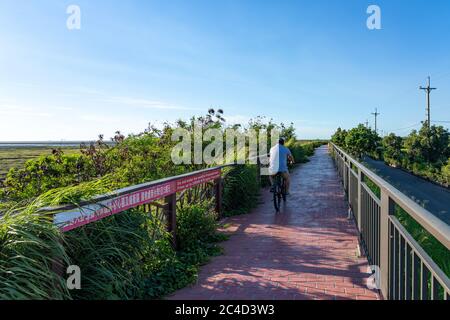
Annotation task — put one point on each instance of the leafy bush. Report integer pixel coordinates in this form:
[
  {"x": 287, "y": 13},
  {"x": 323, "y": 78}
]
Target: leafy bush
[
  {"x": 195, "y": 227},
  {"x": 196, "y": 238},
  {"x": 392, "y": 149},
  {"x": 241, "y": 189},
  {"x": 46, "y": 173},
  {"x": 338, "y": 137}
]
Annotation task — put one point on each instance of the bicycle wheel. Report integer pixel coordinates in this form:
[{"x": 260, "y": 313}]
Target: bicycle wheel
[
  {"x": 284, "y": 191},
  {"x": 277, "y": 199}
]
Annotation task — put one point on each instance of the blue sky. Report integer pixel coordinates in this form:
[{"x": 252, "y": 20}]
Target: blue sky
[{"x": 314, "y": 63}]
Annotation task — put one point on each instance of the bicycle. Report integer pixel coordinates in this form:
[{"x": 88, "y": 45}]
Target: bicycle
[{"x": 279, "y": 191}]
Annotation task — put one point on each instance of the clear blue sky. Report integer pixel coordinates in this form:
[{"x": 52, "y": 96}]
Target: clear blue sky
[{"x": 314, "y": 63}]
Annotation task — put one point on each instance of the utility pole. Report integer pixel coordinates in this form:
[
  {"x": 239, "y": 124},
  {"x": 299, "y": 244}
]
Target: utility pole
[
  {"x": 376, "y": 114},
  {"x": 367, "y": 124},
  {"x": 428, "y": 90}
]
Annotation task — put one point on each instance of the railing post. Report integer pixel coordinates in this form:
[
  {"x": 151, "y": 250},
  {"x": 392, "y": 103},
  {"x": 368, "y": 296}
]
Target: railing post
[
  {"x": 359, "y": 198},
  {"x": 218, "y": 196},
  {"x": 385, "y": 211},
  {"x": 349, "y": 182},
  {"x": 171, "y": 214}
]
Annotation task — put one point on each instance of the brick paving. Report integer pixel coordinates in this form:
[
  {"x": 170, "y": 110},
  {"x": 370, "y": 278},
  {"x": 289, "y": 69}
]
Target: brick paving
[{"x": 307, "y": 251}]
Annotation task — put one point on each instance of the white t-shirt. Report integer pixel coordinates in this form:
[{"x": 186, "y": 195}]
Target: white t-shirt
[{"x": 279, "y": 159}]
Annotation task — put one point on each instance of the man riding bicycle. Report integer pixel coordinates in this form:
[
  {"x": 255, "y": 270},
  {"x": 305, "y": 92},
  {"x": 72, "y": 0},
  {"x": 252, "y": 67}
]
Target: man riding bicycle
[{"x": 279, "y": 157}]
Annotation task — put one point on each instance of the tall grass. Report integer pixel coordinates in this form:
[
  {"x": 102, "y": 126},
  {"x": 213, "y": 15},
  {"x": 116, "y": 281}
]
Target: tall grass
[{"x": 30, "y": 245}]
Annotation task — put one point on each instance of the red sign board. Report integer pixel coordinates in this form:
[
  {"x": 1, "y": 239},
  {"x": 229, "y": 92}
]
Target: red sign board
[
  {"x": 194, "y": 180},
  {"x": 94, "y": 212}
]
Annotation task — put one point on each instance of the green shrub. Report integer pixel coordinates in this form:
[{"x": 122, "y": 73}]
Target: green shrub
[
  {"x": 241, "y": 189},
  {"x": 46, "y": 173},
  {"x": 196, "y": 238}
]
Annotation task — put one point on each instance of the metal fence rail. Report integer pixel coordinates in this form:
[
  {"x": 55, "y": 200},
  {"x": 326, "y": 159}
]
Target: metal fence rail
[{"x": 406, "y": 271}]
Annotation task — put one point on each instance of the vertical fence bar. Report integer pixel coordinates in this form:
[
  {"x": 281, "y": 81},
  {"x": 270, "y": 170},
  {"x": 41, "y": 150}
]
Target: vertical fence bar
[
  {"x": 416, "y": 277},
  {"x": 171, "y": 214},
  {"x": 384, "y": 243},
  {"x": 218, "y": 196},
  {"x": 434, "y": 289},
  {"x": 424, "y": 282},
  {"x": 359, "y": 198},
  {"x": 402, "y": 267},
  {"x": 409, "y": 266},
  {"x": 397, "y": 263}
]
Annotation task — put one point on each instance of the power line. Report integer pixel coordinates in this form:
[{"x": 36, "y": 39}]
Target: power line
[
  {"x": 408, "y": 127},
  {"x": 428, "y": 90}
]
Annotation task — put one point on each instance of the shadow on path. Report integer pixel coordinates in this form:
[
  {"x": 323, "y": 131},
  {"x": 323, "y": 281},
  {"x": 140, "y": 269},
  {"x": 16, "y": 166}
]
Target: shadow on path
[{"x": 307, "y": 251}]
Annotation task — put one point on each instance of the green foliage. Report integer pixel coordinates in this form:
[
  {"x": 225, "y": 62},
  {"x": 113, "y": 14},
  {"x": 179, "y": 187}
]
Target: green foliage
[
  {"x": 241, "y": 189},
  {"x": 29, "y": 246},
  {"x": 288, "y": 132},
  {"x": 46, "y": 173},
  {"x": 361, "y": 140},
  {"x": 437, "y": 251},
  {"x": 196, "y": 227},
  {"x": 392, "y": 149},
  {"x": 302, "y": 151},
  {"x": 197, "y": 238},
  {"x": 339, "y": 137},
  {"x": 112, "y": 254},
  {"x": 446, "y": 173},
  {"x": 430, "y": 145},
  {"x": 373, "y": 187},
  {"x": 127, "y": 255},
  {"x": 424, "y": 153}
]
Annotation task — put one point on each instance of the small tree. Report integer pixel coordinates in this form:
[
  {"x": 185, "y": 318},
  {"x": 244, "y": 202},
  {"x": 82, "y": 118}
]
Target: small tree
[
  {"x": 361, "y": 140},
  {"x": 392, "y": 149},
  {"x": 288, "y": 132},
  {"x": 339, "y": 137},
  {"x": 429, "y": 145}
]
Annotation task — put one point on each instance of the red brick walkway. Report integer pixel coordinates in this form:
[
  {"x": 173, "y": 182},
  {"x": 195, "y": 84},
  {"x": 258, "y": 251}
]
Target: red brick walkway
[{"x": 308, "y": 251}]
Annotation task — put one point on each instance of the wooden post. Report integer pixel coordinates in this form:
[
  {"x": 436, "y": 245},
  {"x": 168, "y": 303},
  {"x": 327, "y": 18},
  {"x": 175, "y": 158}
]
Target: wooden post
[
  {"x": 171, "y": 214},
  {"x": 218, "y": 196}
]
